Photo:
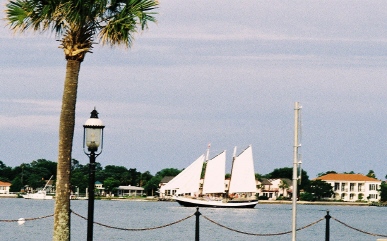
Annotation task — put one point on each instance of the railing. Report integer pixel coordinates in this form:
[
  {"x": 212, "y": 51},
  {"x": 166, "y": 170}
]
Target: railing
[{"x": 197, "y": 214}]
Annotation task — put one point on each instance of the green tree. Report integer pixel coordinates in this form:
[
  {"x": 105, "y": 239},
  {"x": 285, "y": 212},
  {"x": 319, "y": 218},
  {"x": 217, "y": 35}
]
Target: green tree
[
  {"x": 319, "y": 189},
  {"x": 79, "y": 24},
  {"x": 111, "y": 184},
  {"x": 383, "y": 192},
  {"x": 44, "y": 167},
  {"x": 16, "y": 185},
  {"x": 145, "y": 178},
  {"x": 371, "y": 174},
  {"x": 134, "y": 177},
  {"x": 153, "y": 184},
  {"x": 5, "y": 172},
  {"x": 283, "y": 185},
  {"x": 325, "y": 173},
  {"x": 287, "y": 172},
  {"x": 79, "y": 177},
  {"x": 117, "y": 172}
]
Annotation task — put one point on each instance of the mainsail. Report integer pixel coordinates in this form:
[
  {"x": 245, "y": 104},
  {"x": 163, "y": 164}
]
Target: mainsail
[
  {"x": 242, "y": 175},
  {"x": 188, "y": 180},
  {"x": 215, "y": 173}
]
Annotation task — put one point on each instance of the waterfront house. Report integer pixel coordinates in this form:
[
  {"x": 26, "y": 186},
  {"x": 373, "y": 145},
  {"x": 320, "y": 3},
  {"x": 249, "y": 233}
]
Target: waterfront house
[
  {"x": 353, "y": 187},
  {"x": 275, "y": 188},
  {"x": 130, "y": 191},
  {"x": 99, "y": 189},
  {"x": 4, "y": 187},
  {"x": 166, "y": 193}
]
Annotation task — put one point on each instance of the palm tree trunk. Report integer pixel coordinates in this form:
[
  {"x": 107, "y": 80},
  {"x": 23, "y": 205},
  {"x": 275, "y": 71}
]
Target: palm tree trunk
[{"x": 66, "y": 133}]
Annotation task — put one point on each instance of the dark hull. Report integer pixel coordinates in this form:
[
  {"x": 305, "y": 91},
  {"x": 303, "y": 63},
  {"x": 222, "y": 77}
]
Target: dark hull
[{"x": 194, "y": 203}]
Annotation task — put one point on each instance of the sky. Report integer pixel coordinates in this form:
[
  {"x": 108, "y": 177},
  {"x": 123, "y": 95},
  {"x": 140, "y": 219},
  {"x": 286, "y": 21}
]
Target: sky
[{"x": 220, "y": 72}]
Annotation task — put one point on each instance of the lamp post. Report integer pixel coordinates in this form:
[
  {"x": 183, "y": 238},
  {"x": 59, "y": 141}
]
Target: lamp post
[{"x": 92, "y": 139}]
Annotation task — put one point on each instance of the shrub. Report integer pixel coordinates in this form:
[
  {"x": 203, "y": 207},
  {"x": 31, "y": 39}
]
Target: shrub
[
  {"x": 306, "y": 196},
  {"x": 263, "y": 198}
]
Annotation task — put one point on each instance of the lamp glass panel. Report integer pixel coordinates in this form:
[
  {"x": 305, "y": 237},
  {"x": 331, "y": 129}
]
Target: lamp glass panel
[{"x": 93, "y": 138}]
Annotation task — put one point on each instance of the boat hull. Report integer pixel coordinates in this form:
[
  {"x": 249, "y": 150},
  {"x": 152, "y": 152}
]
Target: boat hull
[
  {"x": 189, "y": 202},
  {"x": 38, "y": 196}
]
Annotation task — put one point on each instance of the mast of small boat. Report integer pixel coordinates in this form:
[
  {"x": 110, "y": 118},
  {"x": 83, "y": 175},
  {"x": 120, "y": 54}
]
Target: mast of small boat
[
  {"x": 295, "y": 167},
  {"x": 44, "y": 188}
]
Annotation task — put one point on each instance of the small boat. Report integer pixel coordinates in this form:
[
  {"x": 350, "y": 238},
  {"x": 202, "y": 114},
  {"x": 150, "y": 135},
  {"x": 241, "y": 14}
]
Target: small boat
[
  {"x": 40, "y": 195},
  {"x": 238, "y": 194}
]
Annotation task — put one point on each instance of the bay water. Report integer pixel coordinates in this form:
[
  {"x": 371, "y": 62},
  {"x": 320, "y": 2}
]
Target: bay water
[{"x": 263, "y": 219}]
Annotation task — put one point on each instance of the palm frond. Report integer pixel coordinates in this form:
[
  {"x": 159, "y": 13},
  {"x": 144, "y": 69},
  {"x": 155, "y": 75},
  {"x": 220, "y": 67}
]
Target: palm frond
[
  {"x": 78, "y": 22},
  {"x": 38, "y": 15},
  {"x": 122, "y": 19}
]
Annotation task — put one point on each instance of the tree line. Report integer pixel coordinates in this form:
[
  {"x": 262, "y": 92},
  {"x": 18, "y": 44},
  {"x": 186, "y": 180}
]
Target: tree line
[{"x": 35, "y": 173}]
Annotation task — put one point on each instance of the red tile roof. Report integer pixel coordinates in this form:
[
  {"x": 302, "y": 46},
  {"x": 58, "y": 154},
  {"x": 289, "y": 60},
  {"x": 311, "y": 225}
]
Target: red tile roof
[
  {"x": 345, "y": 177},
  {"x": 5, "y": 184}
]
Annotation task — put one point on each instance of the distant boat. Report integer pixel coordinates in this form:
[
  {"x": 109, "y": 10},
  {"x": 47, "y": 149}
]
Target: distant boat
[
  {"x": 240, "y": 193},
  {"x": 40, "y": 195}
]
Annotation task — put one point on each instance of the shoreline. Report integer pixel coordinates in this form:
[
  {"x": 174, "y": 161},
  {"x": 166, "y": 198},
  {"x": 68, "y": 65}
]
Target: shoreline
[
  {"x": 327, "y": 203},
  {"x": 282, "y": 202},
  {"x": 332, "y": 203}
]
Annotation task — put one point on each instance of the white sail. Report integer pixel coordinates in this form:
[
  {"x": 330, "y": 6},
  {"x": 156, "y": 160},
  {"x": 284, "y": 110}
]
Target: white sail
[
  {"x": 242, "y": 174},
  {"x": 215, "y": 173},
  {"x": 188, "y": 180}
]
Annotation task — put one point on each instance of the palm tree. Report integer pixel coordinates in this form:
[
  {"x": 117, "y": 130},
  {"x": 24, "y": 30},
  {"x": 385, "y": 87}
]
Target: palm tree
[
  {"x": 283, "y": 185},
  {"x": 78, "y": 24}
]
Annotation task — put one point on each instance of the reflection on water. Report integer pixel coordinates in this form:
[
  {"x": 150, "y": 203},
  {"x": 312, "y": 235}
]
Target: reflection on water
[{"x": 265, "y": 218}]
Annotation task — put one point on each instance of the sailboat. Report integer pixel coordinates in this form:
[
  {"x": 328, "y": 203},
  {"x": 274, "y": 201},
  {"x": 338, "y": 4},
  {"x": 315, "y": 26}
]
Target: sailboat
[
  {"x": 239, "y": 193},
  {"x": 41, "y": 194}
]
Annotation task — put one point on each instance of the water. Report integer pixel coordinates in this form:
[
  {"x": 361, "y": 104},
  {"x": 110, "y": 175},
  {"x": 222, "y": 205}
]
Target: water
[{"x": 265, "y": 218}]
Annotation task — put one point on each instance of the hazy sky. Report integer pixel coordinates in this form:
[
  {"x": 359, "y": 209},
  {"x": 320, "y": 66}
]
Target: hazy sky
[{"x": 224, "y": 72}]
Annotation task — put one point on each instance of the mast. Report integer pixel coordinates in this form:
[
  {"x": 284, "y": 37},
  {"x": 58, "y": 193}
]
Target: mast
[
  {"x": 44, "y": 188},
  {"x": 208, "y": 151},
  {"x": 205, "y": 165},
  {"x": 232, "y": 167},
  {"x": 297, "y": 109}
]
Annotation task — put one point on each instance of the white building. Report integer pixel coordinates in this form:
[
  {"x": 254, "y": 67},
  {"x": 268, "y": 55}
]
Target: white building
[
  {"x": 275, "y": 188},
  {"x": 130, "y": 191},
  {"x": 4, "y": 187},
  {"x": 353, "y": 187}
]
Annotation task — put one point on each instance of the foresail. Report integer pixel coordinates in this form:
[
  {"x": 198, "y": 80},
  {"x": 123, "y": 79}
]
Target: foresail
[
  {"x": 188, "y": 180},
  {"x": 215, "y": 173},
  {"x": 242, "y": 175}
]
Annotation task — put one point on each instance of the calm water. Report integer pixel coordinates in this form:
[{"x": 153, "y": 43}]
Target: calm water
[{"x": 125, "y": 214}]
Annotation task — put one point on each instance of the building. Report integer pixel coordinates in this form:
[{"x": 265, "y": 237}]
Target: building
[
  {"x": 130, "y": 191},
  {"x": 275, "y": 188},
  {"x": 4, "y": 187},
  {"x": 166, "y": 193},
  {"x": 353, "y": 187},
  {"x": 99, "y": 189}
]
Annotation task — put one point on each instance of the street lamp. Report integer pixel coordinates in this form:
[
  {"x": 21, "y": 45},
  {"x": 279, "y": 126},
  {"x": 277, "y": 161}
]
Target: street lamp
[{"x": 92, "y": 139}]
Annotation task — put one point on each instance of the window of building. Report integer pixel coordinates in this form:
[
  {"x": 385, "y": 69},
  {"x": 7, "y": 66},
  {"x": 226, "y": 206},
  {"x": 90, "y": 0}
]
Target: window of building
[
  {"x": 343, "y": 187},
  {"x": 374, "y": 196},
  {"x": 352, "y": 187},
  {"x": 337, "y": 186},
  {"x": 360, "y": 187},
  {"x": 372, "y": 187}
]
